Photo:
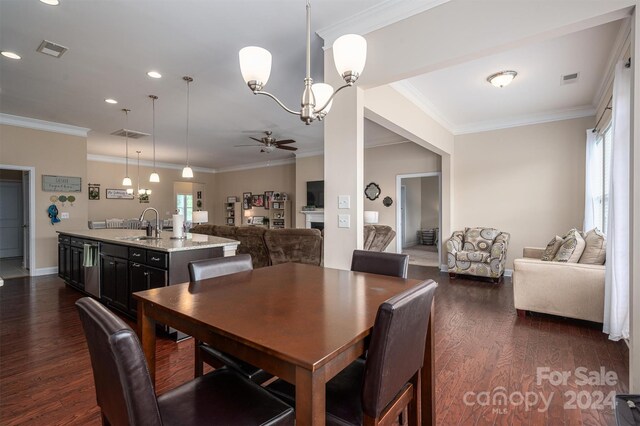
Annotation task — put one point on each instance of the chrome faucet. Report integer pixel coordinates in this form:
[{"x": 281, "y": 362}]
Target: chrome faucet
[{"x": 158, "y": 224}]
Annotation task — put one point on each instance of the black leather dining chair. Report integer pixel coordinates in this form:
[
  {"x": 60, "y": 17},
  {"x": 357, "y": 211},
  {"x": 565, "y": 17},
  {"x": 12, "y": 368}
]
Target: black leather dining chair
[
  {"x": 217, "y": 267},
  {"x": 392, "y": 264},
  {"x": 125, "y": 392},
  {"x": 379, "y": 389}
]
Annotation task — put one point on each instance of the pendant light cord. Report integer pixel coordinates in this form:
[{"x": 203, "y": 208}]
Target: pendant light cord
[
  {"x": 188, "y": 82},
  {"x": 154, "y": 134},
  {"x": 126, "y": 139},
  {"x": 308, "y": 38}
]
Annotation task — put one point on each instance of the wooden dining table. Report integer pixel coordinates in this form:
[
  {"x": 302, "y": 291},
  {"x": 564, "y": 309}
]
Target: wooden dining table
[{"x": 302, "y": 323}]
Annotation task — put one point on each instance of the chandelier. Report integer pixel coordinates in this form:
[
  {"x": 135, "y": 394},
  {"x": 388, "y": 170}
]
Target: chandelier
[
  {"x": 143, "y": 193},
  {"x": 349, "y": 54}
]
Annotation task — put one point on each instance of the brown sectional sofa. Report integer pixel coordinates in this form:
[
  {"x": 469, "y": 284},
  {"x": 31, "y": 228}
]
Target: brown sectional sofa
[{"x": 270, "y": 246}]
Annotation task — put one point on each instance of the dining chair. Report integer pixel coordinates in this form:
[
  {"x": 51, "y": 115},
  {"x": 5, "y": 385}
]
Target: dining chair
[
  {"x": 114, "y": 223},
  {"x": 125, "y": 393},
  {"x": 392, "y": 264},
  {"x": 385, "y": 387},
  {"x": 211, "y": 268}
]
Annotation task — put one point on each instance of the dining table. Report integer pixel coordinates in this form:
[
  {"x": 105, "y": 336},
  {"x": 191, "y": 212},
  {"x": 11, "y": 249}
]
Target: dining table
[{"x": 302, "y": 323}]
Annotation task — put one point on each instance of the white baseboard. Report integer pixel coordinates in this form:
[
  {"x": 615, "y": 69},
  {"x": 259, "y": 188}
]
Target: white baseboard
[{"x": 45, "y": 271}]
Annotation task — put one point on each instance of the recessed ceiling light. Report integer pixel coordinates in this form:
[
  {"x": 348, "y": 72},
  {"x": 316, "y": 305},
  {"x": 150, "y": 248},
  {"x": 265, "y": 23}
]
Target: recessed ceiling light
[
  {"x": 10, "y": 55},
  {"x": 502, "y": 78},
  {"x": 111, "y": 101},
  {"x": 51, "y": 2},
  {"x": 154, "y": 74}
]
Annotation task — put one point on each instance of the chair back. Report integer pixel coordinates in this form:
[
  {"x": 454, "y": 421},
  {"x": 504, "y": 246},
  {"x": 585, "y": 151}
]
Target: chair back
[
  {"x": 377, "y": 237},
  {"x": 124, "y": 390},
  {"x": 114, "y": 223},
  {"x": 392, "y": 264},
  {"x": 294, "y": 245},
  {"x": 219, "y": 266},
  {"x": 396, "y": 351}
]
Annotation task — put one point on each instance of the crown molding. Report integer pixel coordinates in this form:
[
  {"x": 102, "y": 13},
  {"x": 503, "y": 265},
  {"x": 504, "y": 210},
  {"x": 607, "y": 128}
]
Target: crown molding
[
  {"x": 309, "y": 153},
  {"x": 47, "y": 126},
  {"x": 529, "y": 119},
  {"x": 409, "y": 91},
  {"x": 121, "y": 160},
  {"x": 256, "y": 165},
  {"x": 376, "y": 17}
]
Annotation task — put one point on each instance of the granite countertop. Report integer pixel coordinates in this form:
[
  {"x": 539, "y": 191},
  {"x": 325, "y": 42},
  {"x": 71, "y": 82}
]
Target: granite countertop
[{"x": 165, "y": 243}]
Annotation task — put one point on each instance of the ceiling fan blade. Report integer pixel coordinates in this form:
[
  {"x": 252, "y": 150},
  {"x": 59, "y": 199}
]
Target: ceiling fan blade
[
  {"x": 288, "y": 148},
  {"x": 286, "y": 141},
  {"x": 255, "y": 139}
]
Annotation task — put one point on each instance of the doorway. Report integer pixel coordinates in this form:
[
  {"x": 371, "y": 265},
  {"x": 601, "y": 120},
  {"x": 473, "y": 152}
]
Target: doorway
[
  {"x": 16, "y": 222},
  {"x": 419, "y": 217}
]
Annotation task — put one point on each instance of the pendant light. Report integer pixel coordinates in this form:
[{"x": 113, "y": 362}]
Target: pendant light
[
  {"x": 127, "y": 180},
  {"x": 141, "y": 191},
  {"x": 187, "y": 172},
  {"x": 154, "y": 177}
]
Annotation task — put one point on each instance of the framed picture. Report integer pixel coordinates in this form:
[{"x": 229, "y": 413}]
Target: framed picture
[
  {"x": 268, "y": 195},
  {"x": 232, "y": 199},
  {"x": 144, "y": 198},
  {"x": 257, "y": 200},
  {"x": 94, "y": 192},
  {"x": 230, "y": 221},
  {"x": 61, "y": 183},
  {"x": 276, "y": 205},
  {"x": 118, "y": 194},
  {"x": 246, "y": 200},
  {"x": 258, "y": 220}
]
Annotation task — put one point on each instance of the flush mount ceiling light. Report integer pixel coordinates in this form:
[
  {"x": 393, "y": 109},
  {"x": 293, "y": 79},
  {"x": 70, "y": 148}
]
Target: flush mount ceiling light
[
  {"x": 502, "y": 78},
  {"x": 349, "y": 54},
  {"x": 10, "y": 55},
  {"x": 187, "y": 172},
  {"x": 51, "y": 2},
  {"x": 154, "y": 74},
  {"x": 154, "y": 177},
  {"x": 111, "y": 101},
  {"x": 127, "y": 180}
]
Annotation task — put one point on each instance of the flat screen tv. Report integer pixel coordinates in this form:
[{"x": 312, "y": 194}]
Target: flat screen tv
[{"x": 315, "y": 193}]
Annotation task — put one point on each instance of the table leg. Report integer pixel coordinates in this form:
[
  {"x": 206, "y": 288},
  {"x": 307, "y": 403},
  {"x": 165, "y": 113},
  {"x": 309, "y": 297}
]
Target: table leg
[
  {"x": 310, "y": 397},
  {"x": 147, "y": 336},
  {"x": 428, "y": 379}
]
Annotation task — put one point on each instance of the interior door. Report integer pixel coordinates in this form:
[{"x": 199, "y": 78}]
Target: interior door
[
  {"x": 26, "y": 209},
  {"x": 11, "y": 219}
]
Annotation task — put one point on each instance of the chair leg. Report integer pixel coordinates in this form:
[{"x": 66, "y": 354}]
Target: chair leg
[
  {"x": 105, "y": 421},
  {"x": 521, "y": 313},
  {"x": 452, "y": 275},
  {"x": 198, "y": 367}
]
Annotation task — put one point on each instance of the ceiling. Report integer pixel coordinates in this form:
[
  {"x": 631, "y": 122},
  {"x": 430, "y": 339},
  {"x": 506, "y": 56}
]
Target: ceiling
[
  {"x": 466, "y": 102},
  {"x": 113, "y": 43}
]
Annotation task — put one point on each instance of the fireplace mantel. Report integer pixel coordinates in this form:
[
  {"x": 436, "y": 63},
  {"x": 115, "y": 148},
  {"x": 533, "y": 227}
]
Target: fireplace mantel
[{"x": 312, "y": 216}]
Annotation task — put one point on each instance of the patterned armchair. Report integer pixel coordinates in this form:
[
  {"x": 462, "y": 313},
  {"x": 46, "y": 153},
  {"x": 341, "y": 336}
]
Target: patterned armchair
[{"x": 478, "y": 251}]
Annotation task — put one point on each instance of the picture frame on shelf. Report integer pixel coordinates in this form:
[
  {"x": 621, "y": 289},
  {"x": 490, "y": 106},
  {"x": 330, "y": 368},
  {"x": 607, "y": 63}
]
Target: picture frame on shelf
[
  {"x": 246, "y": 200},
  {"x": 230, "y": 221},
  {"x": 257, "y": 200},
  {"x": 276, "y": 205},
  {"x": 257, "y": 220},
  {"x": 232, "y": 199},
  {"x": 268, "y": 196}
]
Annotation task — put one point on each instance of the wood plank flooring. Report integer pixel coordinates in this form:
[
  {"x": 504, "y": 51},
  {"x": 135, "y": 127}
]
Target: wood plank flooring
[{"x": 481, "y": 346}]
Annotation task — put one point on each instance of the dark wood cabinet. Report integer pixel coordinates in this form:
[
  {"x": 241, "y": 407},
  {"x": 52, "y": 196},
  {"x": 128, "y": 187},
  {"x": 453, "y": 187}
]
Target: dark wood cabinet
[
  {"x": 76, "y": 274},
  {"x": 64, "y": 258},
  {"x": 143, "y": 277},
  {"x": 115, "y": 281}
]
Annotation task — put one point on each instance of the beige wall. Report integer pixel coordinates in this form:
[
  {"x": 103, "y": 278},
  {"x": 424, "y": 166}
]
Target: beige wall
[
  {"x": 50, "y": 154},
  {"x": 383, "y": 164},
  {"x": 257, "y": 181},
  {"x": 307, "y": 169},
  {"x": 528, "y": 181},
  {"x": 109, "y": 176},
  {"x": 430, "y": 202}
]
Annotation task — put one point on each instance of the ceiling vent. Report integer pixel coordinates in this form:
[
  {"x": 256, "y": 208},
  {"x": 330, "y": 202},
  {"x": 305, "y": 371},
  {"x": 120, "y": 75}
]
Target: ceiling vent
[
  {"x": 569, "y": 78},
  {"x": 52, "y": 49},
  {"x": 131, "y": 133}
]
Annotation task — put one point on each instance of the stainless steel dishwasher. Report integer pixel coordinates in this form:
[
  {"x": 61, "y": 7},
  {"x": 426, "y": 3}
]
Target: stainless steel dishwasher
[{"x": 91, "y": 265}]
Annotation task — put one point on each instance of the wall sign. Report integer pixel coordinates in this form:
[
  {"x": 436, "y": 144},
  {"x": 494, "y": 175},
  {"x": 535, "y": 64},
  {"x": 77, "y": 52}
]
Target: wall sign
[
  {"x": 61, "y": 183},
  {"x": 118, "y": 194}
]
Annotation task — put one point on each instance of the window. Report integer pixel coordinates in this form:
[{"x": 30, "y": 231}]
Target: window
[
  {"x": 602, "y": 179},
  {"x": 184, "y": 205}
]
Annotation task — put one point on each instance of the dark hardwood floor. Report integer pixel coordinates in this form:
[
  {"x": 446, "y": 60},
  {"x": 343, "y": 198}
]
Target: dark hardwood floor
[{"x": 481, "y": 346}]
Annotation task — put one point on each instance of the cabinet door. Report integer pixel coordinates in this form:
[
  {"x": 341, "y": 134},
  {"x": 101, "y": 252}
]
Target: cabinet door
[
  {"x": 108, "y": 277},
  {"x": 77, "y": 270},
  {"x": 144, "y": 278},
  {"x": 121, "y": 273},
  {"x": 61, "y": 260}
]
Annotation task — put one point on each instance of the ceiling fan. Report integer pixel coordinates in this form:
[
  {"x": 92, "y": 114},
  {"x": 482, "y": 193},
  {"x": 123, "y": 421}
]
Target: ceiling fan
[{"x": 269, "y": 144}]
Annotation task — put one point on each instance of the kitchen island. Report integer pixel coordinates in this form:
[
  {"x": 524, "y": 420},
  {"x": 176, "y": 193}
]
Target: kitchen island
[{"x": 111, "y": 264}]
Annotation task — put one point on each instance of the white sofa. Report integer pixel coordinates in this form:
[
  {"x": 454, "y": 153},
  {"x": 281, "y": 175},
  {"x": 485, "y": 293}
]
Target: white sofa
[{"x": 573, "y": 290}]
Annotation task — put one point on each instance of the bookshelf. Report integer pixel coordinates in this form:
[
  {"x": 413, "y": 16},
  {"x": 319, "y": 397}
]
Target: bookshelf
[
  {"x": 233, "y": 214},
  {"x": 280, "y": 214}
]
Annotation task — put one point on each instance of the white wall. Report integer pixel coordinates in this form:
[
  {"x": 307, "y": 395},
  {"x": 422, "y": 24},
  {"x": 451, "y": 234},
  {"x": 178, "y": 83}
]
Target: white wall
[{"x": 528, "y": 181}]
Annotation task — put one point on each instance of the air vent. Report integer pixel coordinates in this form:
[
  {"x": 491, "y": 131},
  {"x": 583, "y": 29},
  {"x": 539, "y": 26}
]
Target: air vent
[
  {"x": 131, "y": 133},
  {"x": 569, "y": 78},
  {"x": 52, "y": 49}
]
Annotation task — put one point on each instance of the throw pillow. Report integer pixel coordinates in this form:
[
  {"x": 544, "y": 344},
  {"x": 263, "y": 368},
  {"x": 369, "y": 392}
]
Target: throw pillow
[
  {"x": 479, "y": 239},
  {"x": 595, "y": 248},
  {"x": 552, "y": 249},
  {"x": 571, "y": 248}
]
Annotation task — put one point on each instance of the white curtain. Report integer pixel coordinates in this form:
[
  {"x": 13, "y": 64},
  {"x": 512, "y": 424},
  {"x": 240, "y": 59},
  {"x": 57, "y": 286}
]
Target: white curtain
[
  {"x": 591, "y": 204},
  {"x": 616, "y": 297}
]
